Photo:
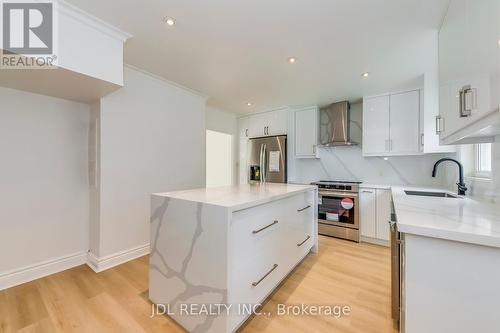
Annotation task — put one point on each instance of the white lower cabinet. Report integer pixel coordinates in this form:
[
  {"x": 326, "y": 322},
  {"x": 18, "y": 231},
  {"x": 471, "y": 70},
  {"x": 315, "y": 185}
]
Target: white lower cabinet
[
  {"x": 383, "y": 214},
  {"x": 265, "y": 243},
  {"x": 375, "y": 213},
  {"x": 368, "y": 212}
]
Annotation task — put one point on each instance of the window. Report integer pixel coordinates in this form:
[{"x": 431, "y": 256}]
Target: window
[{"x": 482, "y": 158}]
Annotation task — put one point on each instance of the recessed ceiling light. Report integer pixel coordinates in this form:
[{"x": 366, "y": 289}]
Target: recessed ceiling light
[
  {"x": 169, "y": 21},
  {"x": 249, "y": 104},
  {"x": 365, "y": 74},
  {"x": 386, "y": 158},
  {"x": 292, "y": 60}
]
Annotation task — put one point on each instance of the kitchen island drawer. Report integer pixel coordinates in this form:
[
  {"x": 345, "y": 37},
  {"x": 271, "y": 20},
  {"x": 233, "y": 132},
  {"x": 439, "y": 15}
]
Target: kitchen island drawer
[
  {"x": 252, "y": 284},
  {"x": 265, "y": 229}
]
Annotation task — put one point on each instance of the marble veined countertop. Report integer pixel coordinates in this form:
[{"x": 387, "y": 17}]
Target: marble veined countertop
[
  {"x": 239, "y": 197},
  {"x": 467, "y": 219}
]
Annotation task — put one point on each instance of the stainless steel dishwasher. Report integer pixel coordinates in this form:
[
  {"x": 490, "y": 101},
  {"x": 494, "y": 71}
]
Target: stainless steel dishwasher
[{"x": 397, "y": 272}]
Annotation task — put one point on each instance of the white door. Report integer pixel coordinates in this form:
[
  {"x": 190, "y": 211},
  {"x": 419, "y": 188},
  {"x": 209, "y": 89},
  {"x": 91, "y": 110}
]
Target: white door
[
  {"x": 368, "y": 212},
  {"x": 383, "y": 214},
  {"x": 306, "y": 133},
  {"x": 376, "y": 125},
  {"x": 277, "y": 122},
  {"x": 404, "y": 122},
  {"x": 219, "y": 170}
]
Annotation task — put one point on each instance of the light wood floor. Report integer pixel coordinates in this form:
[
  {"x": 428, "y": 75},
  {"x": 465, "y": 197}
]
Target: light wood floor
[{"x": 79, "y": 300}]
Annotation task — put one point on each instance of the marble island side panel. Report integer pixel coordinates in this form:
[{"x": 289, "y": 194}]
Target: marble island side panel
[{"x": 188, "y": 260}]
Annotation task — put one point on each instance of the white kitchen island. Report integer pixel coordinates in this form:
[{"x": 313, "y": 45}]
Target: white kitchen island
[{"x": 223, "y": 249}]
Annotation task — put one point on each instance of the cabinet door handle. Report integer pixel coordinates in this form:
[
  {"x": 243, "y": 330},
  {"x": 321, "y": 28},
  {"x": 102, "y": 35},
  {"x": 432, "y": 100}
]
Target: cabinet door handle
[
  {"x": 255, "y": 284},
  {"x": 262, "y": 229},
  {"x": 303, "y": 209},
  {"x": 366, "y": 191},
  {"x": 467, "y": 101},
  {"x": 422, "y": 139},
  {"x": 305, "y": 240},
  {"x": 246, "y": 132},
  {"x": 390, "y": 145}
]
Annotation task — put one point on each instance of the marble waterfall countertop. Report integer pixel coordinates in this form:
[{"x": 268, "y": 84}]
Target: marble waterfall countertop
[
  {"x": 466, "y": 219},
  {"x": 239, "y": 197}
]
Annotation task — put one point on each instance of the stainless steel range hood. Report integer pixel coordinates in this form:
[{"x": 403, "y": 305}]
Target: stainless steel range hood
[{"x": 335, "y": 125}]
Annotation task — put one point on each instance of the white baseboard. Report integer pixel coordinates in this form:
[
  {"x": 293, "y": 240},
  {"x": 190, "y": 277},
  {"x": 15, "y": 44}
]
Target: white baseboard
[
  {"x": 99, "y": 264},
  {"x": 375, "y": 241},
  {"x": 33, "y": 272},
  {"x": 29, "y": 273}
]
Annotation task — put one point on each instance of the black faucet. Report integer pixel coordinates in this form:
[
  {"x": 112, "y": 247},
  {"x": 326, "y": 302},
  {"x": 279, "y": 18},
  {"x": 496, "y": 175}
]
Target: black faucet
[{"x": 461, "y": 185}]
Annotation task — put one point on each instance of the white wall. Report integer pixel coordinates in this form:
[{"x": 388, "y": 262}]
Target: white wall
[
  {"x": 44, "y": 205},
  {"x": 152, "y": 139},
  {"x": 225, "y": 122},
  {"x": 347, "y": 163}
]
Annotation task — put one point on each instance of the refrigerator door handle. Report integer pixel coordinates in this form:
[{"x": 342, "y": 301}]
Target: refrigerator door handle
[
  {"x": 264, "y": 162},
  {"x": 261, "y": 164}
]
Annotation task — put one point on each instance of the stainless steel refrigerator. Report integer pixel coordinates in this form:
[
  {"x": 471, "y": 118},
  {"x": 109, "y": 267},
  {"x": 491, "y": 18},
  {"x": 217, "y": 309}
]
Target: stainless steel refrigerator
[{"x": 267, "y": 159}]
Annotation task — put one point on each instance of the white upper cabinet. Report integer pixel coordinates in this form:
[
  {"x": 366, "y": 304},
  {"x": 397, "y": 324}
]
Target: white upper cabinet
[
  {"x": 404, "y": 123},
  {"x": 376, "y": 116},
  {"x": 429, "y": 115},
  {"x": 391, "y": 124},
  {"x": 277, "y": 122},
  {"x": 258, "y": 125},
  {"x": 306, "y": 125},
  {"x": 264, "y": 124},
  {"x": 469, "y": 72},
  {"x": 88, "y": 56},
  {"x": 244, "y": 127}
]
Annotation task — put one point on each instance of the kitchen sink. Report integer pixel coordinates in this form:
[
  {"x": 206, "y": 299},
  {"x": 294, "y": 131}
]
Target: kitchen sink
[{"x": 432, "y": 194}]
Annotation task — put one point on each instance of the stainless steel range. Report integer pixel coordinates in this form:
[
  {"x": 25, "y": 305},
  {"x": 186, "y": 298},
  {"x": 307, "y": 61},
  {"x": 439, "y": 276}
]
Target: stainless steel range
[{"x": 338, "y": 209}]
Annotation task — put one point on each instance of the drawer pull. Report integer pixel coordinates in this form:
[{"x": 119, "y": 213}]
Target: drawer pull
[
  {"x": 303, "y": 209},
  {"x": 255, "y": 284},
  {"x": 300, "y": 244},
  {"x": 262, "y": 229}
]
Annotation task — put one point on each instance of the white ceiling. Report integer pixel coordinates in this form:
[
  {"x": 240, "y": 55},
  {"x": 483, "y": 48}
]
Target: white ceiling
[{"x": 236, "y": 51}]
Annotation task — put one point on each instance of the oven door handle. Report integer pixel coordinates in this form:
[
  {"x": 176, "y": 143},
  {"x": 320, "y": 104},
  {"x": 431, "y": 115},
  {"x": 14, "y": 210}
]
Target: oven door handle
[{"x": 338, "y": 194}]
